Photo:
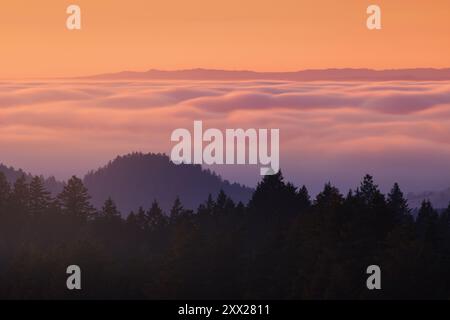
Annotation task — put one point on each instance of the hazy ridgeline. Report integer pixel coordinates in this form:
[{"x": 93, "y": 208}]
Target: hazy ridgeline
[
  {"x": 281, "y": 245},
  {"x": 136, "y": 179}
]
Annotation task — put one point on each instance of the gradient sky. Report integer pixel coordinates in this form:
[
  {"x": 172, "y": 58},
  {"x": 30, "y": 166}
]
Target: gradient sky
[
  {"x": 337, "y": 131},
  {"x": 262, "y": 35}
]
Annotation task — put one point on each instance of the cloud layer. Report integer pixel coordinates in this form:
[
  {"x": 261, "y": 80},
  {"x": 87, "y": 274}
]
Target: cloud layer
[{"x": 399, "y": 131}]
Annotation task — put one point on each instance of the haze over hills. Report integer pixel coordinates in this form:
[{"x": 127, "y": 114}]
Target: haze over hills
[
  {"x": 439, "y": 199},
  {"x": 137, "y": 179},
  {"x": 418, "y": 74},
  {"x": 12, "y": 174}
]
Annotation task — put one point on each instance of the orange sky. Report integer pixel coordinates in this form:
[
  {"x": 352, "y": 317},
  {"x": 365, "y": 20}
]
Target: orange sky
[{"x": 262, "y": 35}]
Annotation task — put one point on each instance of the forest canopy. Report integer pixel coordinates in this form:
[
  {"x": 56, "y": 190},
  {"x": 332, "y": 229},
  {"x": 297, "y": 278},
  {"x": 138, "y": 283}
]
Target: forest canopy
[{"x": 282, "y": 244}]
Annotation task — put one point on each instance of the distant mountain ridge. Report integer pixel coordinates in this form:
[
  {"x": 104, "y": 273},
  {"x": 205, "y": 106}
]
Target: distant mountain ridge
[{"x": 345, "y": 74}]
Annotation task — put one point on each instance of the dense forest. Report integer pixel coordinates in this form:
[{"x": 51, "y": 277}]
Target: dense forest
[{"x": 281, "y": 245}]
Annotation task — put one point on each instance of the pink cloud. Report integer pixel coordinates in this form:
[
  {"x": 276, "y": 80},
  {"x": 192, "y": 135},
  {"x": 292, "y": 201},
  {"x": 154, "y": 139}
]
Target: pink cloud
[{"x": 325, "y": 127}]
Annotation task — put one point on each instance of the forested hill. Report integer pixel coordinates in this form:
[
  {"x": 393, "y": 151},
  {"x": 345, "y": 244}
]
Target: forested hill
[
  {"x": 50, "y": 184},
  {"x": 137, "y": 179}
]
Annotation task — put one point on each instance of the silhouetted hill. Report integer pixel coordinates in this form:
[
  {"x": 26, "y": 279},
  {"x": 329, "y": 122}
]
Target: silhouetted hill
[
  {"x": 439, "y": 199},
  {"x": 348, "y": 74},
  {"x": 137, "y": 179},
  {"x": 51, "y": 184}
]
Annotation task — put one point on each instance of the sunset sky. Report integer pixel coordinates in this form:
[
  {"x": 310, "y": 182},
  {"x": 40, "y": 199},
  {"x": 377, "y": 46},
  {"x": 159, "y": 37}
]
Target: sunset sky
[
  {"x": 330, "y": 131},
  {"x": 262, "y": 35}
]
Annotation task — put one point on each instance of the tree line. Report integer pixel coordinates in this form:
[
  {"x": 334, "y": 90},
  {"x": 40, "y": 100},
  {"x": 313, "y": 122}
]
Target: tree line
[{"x": 281, "y": 245}]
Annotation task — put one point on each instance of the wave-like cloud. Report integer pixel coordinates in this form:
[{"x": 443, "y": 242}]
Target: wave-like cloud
[{"x": 326, "y": 127}]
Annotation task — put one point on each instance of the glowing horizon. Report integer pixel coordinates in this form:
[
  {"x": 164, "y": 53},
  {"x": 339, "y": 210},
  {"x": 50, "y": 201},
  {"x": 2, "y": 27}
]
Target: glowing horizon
[{"x": 254, "y": 35}]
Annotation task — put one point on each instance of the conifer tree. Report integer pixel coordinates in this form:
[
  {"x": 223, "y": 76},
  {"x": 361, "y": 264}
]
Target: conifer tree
[
  {"x": 176, "y": 211},
  {"x": 397, "y": 204},
  {"x": 427, "y": 220},
  {"x": 109, "y": 210},
  {"x": 5, "y": 191},
  {"x": 141, "y": 219},
  {"x": 155, "y": 217},
  {"x": 303, "y": 198},
  {"x": 20, "y": 196},
  {"x": 40, "y": 199},
  {"x": 74, "y": 200},
  {"x": 369, "y": 193}
]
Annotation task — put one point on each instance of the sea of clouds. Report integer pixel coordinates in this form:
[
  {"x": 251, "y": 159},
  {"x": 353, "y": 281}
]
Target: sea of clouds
[{"x": 330, "y": 131}]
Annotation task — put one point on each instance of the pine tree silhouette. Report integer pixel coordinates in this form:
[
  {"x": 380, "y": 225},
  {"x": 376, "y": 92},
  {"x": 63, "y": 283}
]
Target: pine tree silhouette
[
  {"x": 109, "y": 210},
  {"x": 397, "y": 204},
  {"x": 74, "y": 200},
  {"x": 155, "y": 217},
  {"x": 40, "y": 199},
  {"x": 5, "y": 192}
]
